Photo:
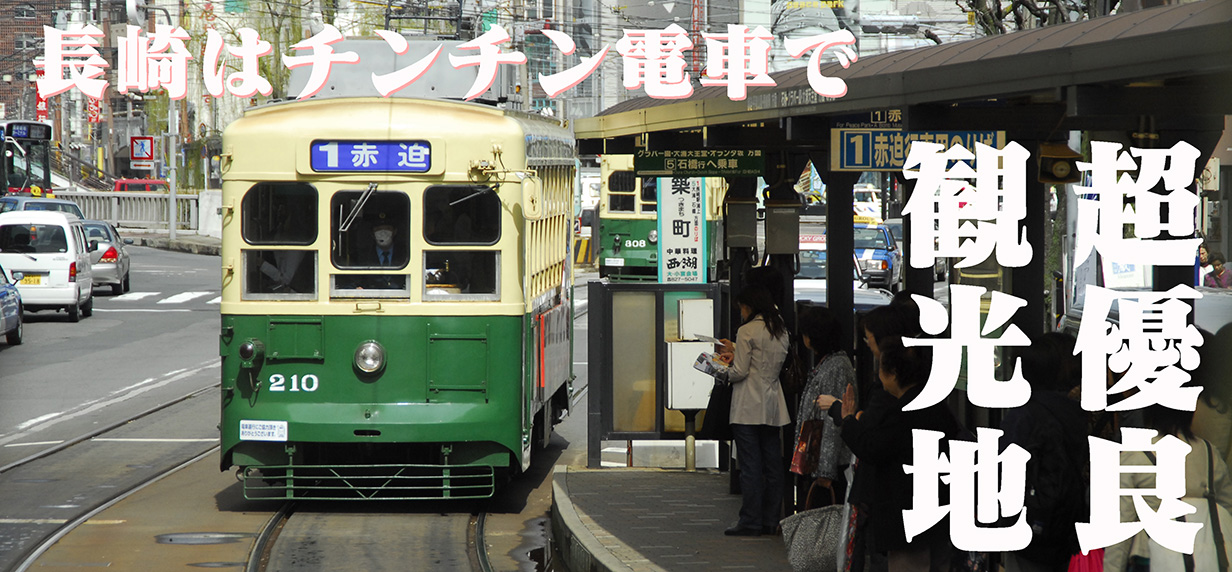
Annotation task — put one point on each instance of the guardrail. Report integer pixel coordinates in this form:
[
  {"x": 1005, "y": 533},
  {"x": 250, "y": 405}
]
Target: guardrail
[{"x": 136, "y": 210}]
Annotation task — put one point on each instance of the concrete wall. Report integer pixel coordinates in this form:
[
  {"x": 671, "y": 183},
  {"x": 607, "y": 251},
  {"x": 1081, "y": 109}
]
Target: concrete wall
[{"x": 208, "y": 205}]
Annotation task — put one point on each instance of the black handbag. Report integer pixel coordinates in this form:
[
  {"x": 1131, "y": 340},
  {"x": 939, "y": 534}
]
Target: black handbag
[{"x": 716, "y": 424}]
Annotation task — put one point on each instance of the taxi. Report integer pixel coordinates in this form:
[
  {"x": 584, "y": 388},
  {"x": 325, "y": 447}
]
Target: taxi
[{"x": 881, "y": 260}]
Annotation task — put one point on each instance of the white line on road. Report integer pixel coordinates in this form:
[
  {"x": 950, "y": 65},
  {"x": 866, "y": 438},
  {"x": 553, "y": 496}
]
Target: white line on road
[
  {"x": 134, "y": 296},
  {"x": 118, "y": 396},
  {"x": 145, "y": 310},
  {"x": 54, "y": 521},
  {"x": 183, "y": 297},
  {"x": 34, "y": 443},
  {"x": 134, "y": 440}
]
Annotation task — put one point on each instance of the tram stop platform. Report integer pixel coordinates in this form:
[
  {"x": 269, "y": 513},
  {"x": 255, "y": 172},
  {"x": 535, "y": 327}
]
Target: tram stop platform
[{"x": 653, "y": 520}]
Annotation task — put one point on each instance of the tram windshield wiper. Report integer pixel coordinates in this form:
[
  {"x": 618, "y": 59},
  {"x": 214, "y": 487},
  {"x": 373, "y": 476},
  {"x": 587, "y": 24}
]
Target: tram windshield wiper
[
  {"x": 359, "y": 208},
  {"x": 479, "y": 190}
]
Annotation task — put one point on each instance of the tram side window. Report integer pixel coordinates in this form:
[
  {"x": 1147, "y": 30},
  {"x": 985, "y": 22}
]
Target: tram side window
[
  {"x": 464, "y": 273},
  {"x": 461, "y": 214},
  {"x": 280, "y": 213},
  {"x": 620, "y": 188},
  {"x": 650, "y": 197},
  {"x": 280, "y": 275}
]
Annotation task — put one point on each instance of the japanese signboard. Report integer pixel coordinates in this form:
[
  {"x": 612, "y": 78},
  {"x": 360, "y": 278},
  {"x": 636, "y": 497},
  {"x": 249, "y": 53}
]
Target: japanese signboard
[
  {"x": 886, "y": 149},
  {"x": 94, "y": 110},
  {"x": 40, "y": 102},
  {"x": 700, "y": 163},
  {"x": 682, "y": 230},
  {"x": 376, "y": 156}
]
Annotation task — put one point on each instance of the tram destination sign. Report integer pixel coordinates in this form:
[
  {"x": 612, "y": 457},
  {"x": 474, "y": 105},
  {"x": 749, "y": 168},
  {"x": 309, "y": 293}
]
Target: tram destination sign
[
  {"x": 886, "y": 149},
  {"x": 700, "y": 163},
  {"x": 372, "y": 156}
]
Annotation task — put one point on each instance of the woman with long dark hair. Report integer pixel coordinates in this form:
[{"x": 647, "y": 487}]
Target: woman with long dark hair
[
  {"x": 831, "y": 375},
  {"x": 758, "y": 410}
]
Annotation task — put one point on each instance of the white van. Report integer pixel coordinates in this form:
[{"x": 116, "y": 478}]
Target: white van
[{"x": 51, "y": 251}]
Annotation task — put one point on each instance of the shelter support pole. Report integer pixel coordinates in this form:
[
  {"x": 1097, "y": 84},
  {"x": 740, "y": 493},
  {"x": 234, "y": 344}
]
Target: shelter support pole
[{"x": 918, "y": 280}]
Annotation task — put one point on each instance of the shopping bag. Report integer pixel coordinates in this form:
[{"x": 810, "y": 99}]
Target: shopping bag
[
  {"x": 716, "y": 425},
  {"x": 808, "y": 448},
  {"x": 1092, "y": 561},
  {"x": 814, "y": 538}
]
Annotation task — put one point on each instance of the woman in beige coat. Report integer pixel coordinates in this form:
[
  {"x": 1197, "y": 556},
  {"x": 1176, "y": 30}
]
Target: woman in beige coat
[{"x": 758, "y": 411}]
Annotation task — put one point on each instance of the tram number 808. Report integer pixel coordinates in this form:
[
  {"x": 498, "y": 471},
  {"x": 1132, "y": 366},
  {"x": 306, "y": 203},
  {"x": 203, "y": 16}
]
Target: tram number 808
[
  {"x": 309, "y": 382},
  {"x": 635, "y": 244}
]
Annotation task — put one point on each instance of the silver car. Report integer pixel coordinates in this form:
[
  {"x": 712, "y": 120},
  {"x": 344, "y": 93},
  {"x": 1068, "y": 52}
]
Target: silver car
[{"x": 108, "y": 256}]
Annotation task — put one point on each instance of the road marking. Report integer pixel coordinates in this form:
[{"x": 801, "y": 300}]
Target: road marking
[
  {"x": 34, "y": 444},
  {"x": 134, "y": 296},
  {"x": 144, "y": 310},
  {"x": 117, "y": 396},
  {"x": 135, "y": 440},
  {"x": 183, "y": 297},
  {"x": 217, "y": 300},
  {"x": 54, "y": 521}
]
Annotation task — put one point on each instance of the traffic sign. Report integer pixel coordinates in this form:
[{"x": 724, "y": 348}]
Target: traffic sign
[
  {"x": 699, "y": 163},
  {"x": 886, "y": 149},
  {"x": 141, "y": 165},
  {"x": 142, "y": 149}
]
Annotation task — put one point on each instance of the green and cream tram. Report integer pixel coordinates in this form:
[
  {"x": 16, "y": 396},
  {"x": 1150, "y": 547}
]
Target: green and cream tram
[{"x": 396, "y": 311}]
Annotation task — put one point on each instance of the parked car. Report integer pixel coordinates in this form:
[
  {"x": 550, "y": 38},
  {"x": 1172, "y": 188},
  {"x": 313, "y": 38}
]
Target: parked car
[
  {"x": 108, "y": 255},
  {"x": 11, "y": 319},
  {"x": 51, "y": 251},
  {"x": 896, "y": 229},
  {"x": 810, "y": 282},
  {"x": 32, "y": 203},
  {"x": 142, "y": 185}
]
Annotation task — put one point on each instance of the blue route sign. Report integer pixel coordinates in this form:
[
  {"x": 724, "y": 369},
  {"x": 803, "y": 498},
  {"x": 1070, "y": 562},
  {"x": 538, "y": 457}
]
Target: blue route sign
[
  {"x": 372, "y": 156},
  {"x": 886, "y": 149}
]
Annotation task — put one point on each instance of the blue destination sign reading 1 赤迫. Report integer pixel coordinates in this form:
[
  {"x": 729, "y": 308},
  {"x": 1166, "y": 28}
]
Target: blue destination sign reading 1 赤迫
[
  {"x": 886, "y": 149},
  {"x": 372, "y": 156}
]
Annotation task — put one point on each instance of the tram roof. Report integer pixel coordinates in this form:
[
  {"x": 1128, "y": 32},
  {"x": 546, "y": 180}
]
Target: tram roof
[{"x": 1095, "y": 74}]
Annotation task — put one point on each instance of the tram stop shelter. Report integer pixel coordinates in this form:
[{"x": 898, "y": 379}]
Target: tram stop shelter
[{"x": 1149, "y": 78}]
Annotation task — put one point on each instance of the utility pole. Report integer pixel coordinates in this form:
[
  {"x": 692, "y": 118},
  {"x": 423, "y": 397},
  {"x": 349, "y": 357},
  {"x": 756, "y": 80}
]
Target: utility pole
[{"x": 109, "y": 153}]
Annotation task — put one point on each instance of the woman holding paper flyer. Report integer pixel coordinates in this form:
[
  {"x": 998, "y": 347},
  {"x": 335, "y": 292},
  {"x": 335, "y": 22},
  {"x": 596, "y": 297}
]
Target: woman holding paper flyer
[{"x": 758, "y": 410}]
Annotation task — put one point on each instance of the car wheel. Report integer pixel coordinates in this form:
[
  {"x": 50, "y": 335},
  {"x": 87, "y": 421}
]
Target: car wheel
[
  {"x": 74, "y": 313},
  {"x": 126, "y": 287},
  {"x": 15, "y": 337},
  {"x": 117, "y": 288},
  {"x": 87, "y": 310}
]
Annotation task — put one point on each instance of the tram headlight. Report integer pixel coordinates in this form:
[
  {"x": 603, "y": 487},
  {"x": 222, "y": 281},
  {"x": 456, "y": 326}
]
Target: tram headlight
[
  {"x": 251, "y": 353},
  {"x": 370, "y": 357},
  {"x": 653, "y": 236}
]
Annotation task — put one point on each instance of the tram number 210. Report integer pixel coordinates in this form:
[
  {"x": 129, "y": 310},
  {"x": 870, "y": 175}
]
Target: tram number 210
[{"x": 309, "y": 382}]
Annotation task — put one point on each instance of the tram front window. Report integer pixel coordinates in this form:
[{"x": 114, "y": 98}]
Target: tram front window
[
  {"x": 620, "y": 188},
  {"x": 377, "y": 242},
  {"x": 650, "y": 196},
  {"x": 461, "y": 215},
  {"x": 279, "y": 214}
]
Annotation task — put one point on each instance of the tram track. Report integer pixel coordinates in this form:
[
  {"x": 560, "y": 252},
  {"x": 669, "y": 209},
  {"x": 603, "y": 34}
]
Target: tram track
[{"x": 307, "y": 536}]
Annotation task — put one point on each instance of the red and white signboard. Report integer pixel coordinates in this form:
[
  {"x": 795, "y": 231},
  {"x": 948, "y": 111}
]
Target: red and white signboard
[
  {"x": 142, "y": 148},
  {"x": 94, "y": 110},
  {"x": 40, "y": 102}
]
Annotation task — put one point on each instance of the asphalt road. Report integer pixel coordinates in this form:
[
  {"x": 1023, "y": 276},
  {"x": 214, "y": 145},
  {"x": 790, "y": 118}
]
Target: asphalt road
[{"x": 157, "y": 342}]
